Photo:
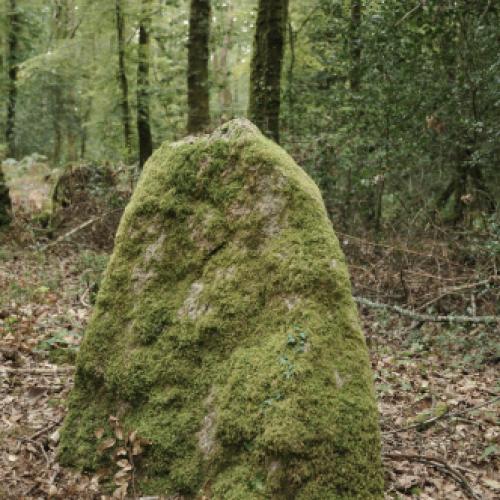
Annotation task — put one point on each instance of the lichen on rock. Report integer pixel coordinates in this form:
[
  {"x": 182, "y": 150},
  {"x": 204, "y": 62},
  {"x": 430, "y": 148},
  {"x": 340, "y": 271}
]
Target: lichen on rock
[{"x": 225, "y": 334}]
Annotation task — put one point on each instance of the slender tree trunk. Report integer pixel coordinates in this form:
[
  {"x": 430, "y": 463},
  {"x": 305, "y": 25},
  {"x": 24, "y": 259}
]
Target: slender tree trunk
[
  {"x": 267, "y": 61},
  {"x": 57, "y": 112},
  {"x": 12, "y": 60},
  {"x": 221, "y": 71},
  {"x": 5, "y": 203},
  {"x": 64, "y": 117},
  {"x": 225, "y": 97},
  {"x": 355, "y": 46},
  {"x": 122, "y": 79},
  {"x": 355, "y": 87},
  {"x": 143, "y": 123},
  {"x": 197, "y": 74},
  {"x": 83, "y": 129},
  {"x": 59, "y": 32},
  {"x": 290, "y": 91}
]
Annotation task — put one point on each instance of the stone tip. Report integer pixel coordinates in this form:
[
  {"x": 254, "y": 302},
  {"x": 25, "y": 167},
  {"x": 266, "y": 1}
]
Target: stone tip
[{"x": 234, "y": 129}]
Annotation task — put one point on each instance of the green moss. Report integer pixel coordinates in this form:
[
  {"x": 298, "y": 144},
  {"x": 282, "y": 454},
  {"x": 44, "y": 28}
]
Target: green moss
[{"x": 225, "y": 333}]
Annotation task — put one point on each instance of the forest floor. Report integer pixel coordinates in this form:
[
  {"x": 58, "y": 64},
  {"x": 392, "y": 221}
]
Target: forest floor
[{"x": 437, "y": 383}]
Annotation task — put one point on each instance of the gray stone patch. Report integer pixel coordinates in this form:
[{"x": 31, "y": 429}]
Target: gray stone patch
[
  {"x": 192, "y": 309},
  {"x": 206, "y": 435},
  {"x": 140, "y": 274}
]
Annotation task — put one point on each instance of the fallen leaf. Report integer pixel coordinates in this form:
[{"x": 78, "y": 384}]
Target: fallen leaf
[
  {"x": 132, "y": 436},
  {"x": 119, "y": 432},
  {"x": 54, "y": 437},
  {"x": 491, "y": 483},
  {"x": 137, "y": 448},
  {"x": 124, "y": 464},
  {"x": 106, "y": 444}
]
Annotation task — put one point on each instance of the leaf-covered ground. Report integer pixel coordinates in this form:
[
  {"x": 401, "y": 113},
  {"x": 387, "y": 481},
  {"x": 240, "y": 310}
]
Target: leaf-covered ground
[{"x": 437, "y": 383}]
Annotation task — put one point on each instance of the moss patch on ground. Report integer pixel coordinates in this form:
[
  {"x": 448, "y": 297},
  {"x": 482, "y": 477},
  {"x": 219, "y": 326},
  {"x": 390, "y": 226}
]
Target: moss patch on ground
[{"x": 225, "y": 334}]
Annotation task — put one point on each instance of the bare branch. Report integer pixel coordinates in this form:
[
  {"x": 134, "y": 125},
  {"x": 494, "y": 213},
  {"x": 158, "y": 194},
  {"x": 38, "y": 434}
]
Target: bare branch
[{"x": 427, "y": 317}]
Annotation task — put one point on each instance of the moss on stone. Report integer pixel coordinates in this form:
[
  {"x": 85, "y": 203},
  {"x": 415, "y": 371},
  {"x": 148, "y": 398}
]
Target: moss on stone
[{"x": 225, "y": 333}]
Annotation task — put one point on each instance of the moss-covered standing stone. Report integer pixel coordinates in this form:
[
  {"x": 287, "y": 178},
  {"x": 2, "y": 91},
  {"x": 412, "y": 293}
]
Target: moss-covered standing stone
[{"x": 225, "y": 333}]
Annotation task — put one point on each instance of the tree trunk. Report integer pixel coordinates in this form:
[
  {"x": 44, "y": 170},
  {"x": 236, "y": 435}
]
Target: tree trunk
[
  {"x": 355, "y": 86},
  {"x": 197, "y": 74},
  {"x": 12, "y": 59},
  {"x": 143, "y": 125},
  {"x": 221, "y": 71},
  {"x": 5, "y": 203},
  {"x": 267, "y": 60},
  {"x": 83, "y": 130},
  {"x": 355, "y": 46},
  {"x": 290, "y": 91},
  {"x": 57, "y": 112},
  {"x": 122, "y": 79}
]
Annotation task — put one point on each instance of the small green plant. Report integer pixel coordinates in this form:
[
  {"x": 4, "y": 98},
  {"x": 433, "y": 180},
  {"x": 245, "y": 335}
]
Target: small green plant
[
  {"x": 288, "y": 368},
  {"x": 258, "y": 484},
  {"x": 490, "y": 451},
  {"x": 91, "y": 268},
  {"x": 297, "y": 339},
  {"x": 62, "y": 338},
  {"x": 278, "y": 396},
  {"x": 61, "y": 347}
]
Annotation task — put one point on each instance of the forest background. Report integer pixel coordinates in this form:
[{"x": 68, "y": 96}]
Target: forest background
[{"x": 391, "y": 106}]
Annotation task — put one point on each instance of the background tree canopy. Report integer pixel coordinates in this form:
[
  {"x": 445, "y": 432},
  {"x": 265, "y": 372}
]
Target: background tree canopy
[{"x": 392, "y": 106}]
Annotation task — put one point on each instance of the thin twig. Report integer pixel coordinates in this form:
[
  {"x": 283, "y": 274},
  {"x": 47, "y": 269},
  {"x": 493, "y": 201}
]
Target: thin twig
[
  {"x": 46, "y": 429},
  {"x": 38, "y": 371},
  {"x": 440, "y": 465},
  {"x": 491, "y": 280},
  {"x": 395, "y": 248},
  {"x": 71, "y": 233},
  {"x": 77, "y": 229},
  {"x": 427, "y": 317},
  {"x": 408, "y": 14},
  {"x": 84, "y": 296},
  {"x": 444, "y": 416},
  {"x": 37, "y": 445}
]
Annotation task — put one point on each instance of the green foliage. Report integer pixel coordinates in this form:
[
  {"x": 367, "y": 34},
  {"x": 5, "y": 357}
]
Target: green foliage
[
  {"x": 61, "y": 347},
  {"x": 419, "y": 134},
  {"x": 90, "y": 267},
  {"x": 394, "y": 116}
]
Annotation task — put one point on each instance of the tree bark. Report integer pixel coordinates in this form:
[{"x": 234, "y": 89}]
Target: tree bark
[
  {"x": 122, "y": 78},
  {"x": 143, "y": 120},
  {"x": 57, "y": 114},
  {"x": 5, "y": 203},
  {"x": 197, "y": 74},
  {"x": 267, "y": 61},
  {"x": 12, "y": 60},
  {"x": 355, "y": 46}
]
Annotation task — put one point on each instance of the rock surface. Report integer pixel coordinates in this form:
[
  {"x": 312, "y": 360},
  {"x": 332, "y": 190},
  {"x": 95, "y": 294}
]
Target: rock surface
[{"x": 226, "y": 336}]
